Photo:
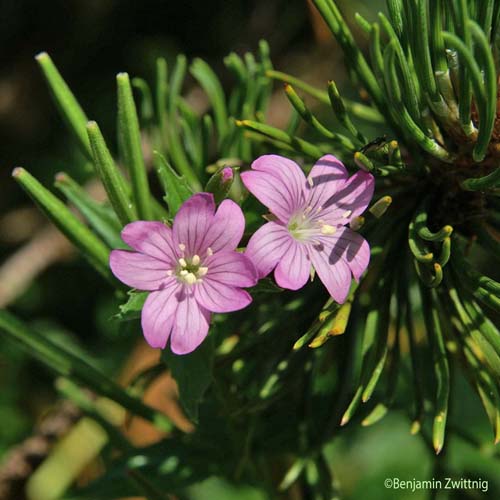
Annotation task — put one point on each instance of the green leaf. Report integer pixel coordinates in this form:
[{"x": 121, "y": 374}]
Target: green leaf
[
  {"x": 68, "y": 106},
  {"x": 100, "y": 217},
  {"x": 275, "y": 134},
  {"x": 310, "y": 118},
  {"x": 193, "y": 374},
  {"x": 212, "y": 86},
  {"x": 111, "y": 178},
  {"x": 78, "y": 233},
  {"x": 176, "y": 151},
  {"x": 146, "y": 106},
  {"x": 58, "y": 358},
  {"x": 133, "y": 307},
  {"x": 177, "y": 189},
  {"x": 355, "y": 108},
  {"x": 130, "y": 135}
]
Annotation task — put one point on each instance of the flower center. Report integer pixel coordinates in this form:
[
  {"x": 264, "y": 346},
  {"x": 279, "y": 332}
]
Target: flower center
[
  {"x": 305, "y": 225},
  {"x": 189, "y": 270}
]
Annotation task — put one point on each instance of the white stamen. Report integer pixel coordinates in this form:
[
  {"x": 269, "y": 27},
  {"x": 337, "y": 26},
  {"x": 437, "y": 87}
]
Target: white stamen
[
  {"x": 182, "y": 247},
  {"x": 182, "y": 262},
  {"x": 310, "y": 181},
  {"x": 195, "y": 260},
  {"x": 209, "y": 251},
  {"x": 170, "y": 272},
  {"x": 327, "y": 229},
  {"x": 190, "y": 279},
  {"x": 347, "y": 214},
  {"x": 184, "y": 272},
  {"x": 202, "y": 271},
  {"x": 199, "y": 280}
]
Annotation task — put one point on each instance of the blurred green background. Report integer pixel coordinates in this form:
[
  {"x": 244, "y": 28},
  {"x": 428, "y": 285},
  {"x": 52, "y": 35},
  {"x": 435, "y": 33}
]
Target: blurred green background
[{"x": 90, "y": 41}]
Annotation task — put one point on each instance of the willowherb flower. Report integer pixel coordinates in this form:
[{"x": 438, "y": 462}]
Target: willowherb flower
[
  {"x": 191, "y": 270},
  {"x": 308, "y": 224}
]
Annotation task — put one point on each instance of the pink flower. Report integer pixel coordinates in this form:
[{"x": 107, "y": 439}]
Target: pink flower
[
  {"x": 191, "y": 270},
  {"x": 309, "y": 227}
]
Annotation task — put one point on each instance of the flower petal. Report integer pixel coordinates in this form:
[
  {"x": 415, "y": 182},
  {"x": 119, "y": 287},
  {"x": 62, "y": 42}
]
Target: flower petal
[
  {"x": 351, "y": 247},
  {"x": 190, "y": 325},
  {"x": 193, "y": 221},
  {"x": 138, "y": 270},
  {"x": 327, "y": 176},
  {"x": 158, "y": 313},
  {"x": 336, "y": 275},
  {"x": 151, "y": 238},
  {"x": 287, "y": 172},
  {"x": 267, "y": 246},
  {"x": 227, "y": 228},
  {"x": 353, "y": 197},
  {"x": 219, "y": 297},
  {"x": 293, "y": 270},
  {"x": 231, "y": 268},
  {"x": 278, "y": 183}
]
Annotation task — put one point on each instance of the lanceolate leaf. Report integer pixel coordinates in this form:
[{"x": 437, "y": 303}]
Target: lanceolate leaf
[
  {"x": 176, "y": 188},
  {"x": 133, "y": 307}
]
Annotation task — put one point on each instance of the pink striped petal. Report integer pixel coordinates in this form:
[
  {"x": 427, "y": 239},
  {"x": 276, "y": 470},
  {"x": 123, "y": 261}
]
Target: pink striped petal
[
  {"x": 139, "y": 270},
  {"x": 190, "y": 325},
  {"x": 193, "y": 221},
  {"x": 351, "y": 247},
  {"x": 294, "y": 268},
  {"x": 278, "y": 183},
  {"x": 227, "y": 228},
  {"x": 231, "y": 268},
  {"x": 290, "y": 176},
  {"x": 219, "y": 297},
  {"x": 335, "y": 276},
  {"x": 151, "y": 238},
  {"x": 353, "y": 197},
  {"x": 327, "y": 176},
  {"x": 158, "y": 315},
  {"x": 267, "y": 246}
]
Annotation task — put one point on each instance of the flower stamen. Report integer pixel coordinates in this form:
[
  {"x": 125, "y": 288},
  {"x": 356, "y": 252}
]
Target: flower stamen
[
  {"x": 190, "y": 270},
  {"x": 327, "y": 229}
]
